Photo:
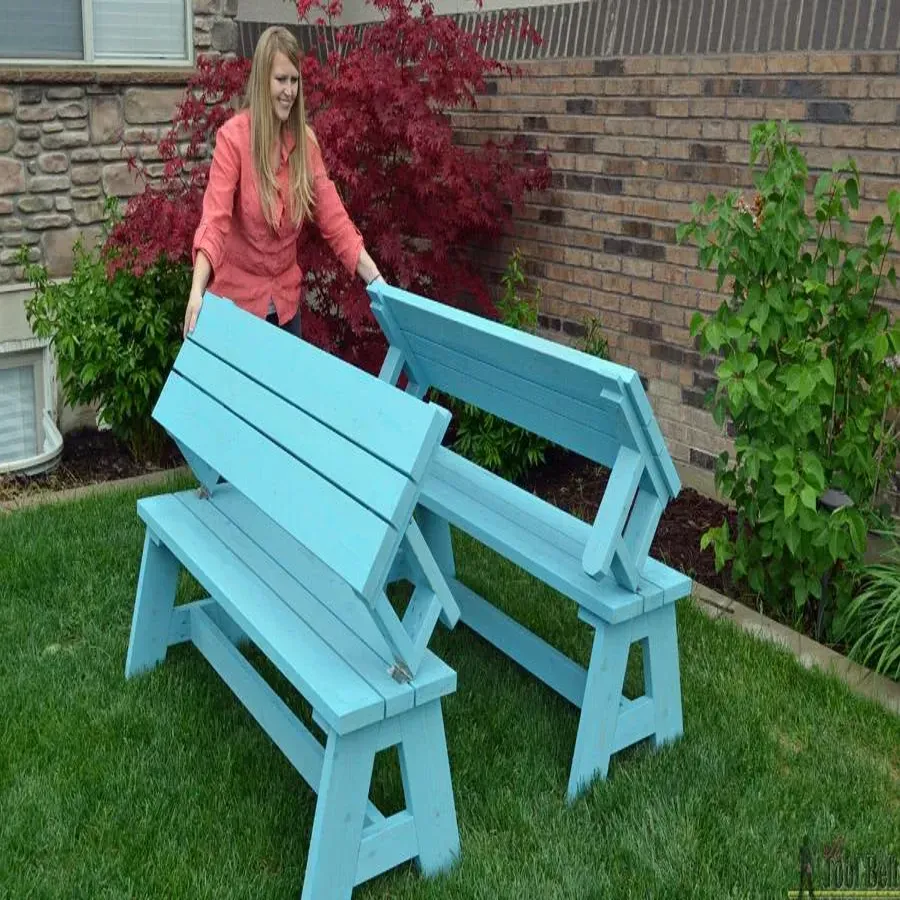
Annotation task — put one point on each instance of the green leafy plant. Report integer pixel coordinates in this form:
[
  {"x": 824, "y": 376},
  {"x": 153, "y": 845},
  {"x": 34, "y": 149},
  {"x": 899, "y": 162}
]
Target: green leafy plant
[
  {"x": 804, "y": 376},
  {"x": 872, "y": 619},
  {"x": 594, "y": 340},
  {"x": 115, "y": 337},
  {"x": 494, "y": 443}
]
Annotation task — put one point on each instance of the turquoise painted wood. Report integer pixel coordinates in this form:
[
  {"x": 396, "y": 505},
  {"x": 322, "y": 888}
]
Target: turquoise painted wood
[
  {"x": 595, "y": 408},
  {"x": 311, "y": 471}
]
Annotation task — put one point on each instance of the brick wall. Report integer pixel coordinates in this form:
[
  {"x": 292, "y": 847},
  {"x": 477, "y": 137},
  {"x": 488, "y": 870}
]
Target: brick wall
[
  {"x": 633, "y": 141},
  {"x": 65, "y": 134}
]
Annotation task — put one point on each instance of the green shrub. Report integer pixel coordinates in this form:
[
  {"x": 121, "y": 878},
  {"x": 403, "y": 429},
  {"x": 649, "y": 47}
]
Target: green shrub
[
  {"x": 487, "y": 440},
  {"x": 115, "y": 339},
  {"x": 594, "y": 340},
  {"x": 872, "y": 619},
  {"x": 804, "y": 376}
]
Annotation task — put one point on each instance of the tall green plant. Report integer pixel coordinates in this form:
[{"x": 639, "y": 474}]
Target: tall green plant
[
  {"x": 872, "y": 619},
  {"x": 494, "y": 443},
  {"x": 115, "y": 338},
  {"x": 804, "y": 374}
]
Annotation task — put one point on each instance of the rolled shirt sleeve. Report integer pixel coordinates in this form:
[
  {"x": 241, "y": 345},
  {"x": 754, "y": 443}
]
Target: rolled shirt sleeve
[
  {"x": 218, "y": 200},
  {"x": 331, "y": 217}
]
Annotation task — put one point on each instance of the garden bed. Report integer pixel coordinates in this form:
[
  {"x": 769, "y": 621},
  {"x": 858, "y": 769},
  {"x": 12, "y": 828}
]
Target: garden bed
[{"x": 566, "y": 480}]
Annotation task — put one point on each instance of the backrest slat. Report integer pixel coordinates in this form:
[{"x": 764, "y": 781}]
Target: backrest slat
[
  {"x": 540, "y": 409},
  {"x": 374, "y": 483},
  {"x": 590, "y": 405},
  {"x": 346, "y": 536},
  {"x": 323, "y": 386}
]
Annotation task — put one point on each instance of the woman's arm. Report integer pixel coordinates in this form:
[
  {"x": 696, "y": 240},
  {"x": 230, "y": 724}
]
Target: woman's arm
[
  {"x": 202, "y": 271},
  {"x": 215, "y": 222},
  {"x": 331, "y": 217},
  {"x": 366, "y": 268}
]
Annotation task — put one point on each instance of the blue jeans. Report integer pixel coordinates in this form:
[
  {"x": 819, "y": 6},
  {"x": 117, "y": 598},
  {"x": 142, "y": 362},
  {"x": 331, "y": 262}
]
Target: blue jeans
[{"x": 292, "y": 325}]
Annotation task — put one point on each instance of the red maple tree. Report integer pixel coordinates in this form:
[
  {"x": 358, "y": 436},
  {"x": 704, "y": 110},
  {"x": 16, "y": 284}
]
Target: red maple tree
[{"x": 380, "y": 102}]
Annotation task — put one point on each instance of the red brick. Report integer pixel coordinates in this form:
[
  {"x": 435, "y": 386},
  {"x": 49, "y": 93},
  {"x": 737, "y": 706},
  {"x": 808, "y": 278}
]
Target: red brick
[
  {"x": 641, "y": 65},
  {"x": 792, "y": 110},
  {"x": 880, "y": 111},
  {"x": 713, "y": 108},
  {"x": 847, "y": 88},
  {"x": 877, "y": 188},
  {"x": 881, "y": 63},
  {"x": 883, "y": 138},
  {"x": 709, "y": 65},
  {"x": 606, "y": 301},
  {"x": 738, "y": 153},
  {"x": 745, "y": 109},
  {"x": 635, "y": 308},
  {"x": 787, "y": 62},
  {"x": 684, "y": 128},
  {"x": 672, "y": 315},
  {"x": 674, "y": 65},
  {"x": 641, "y": 268},
  {"x": 683, "y": 87},
  {"x": 720, "y": 131},
  {"x": 888, "y": 88},
  {"x": 842, "y": 136},
  {"x": 651, "y": 290},
  {"x": 831, "y": 62},
  {"x": 750, "y": 64},
  {"x": 673, "y": 109},
  {"x": 639, "y": 347}
]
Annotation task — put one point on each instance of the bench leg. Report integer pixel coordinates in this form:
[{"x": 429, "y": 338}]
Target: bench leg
[
  {"x": 425, "y": 770},
  {"x": 153, "y": 604},
  {"x": 600, "y": 706},
  {"x": 340, "y": 813},
  {"x": 662, "y": 678}
]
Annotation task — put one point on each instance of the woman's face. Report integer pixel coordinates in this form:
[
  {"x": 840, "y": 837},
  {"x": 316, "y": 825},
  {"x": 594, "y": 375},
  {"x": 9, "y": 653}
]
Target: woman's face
[{"x": 284, "y": 83}]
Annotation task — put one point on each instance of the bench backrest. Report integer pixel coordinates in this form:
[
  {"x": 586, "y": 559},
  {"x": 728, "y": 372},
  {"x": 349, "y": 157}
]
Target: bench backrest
[
  {"x": 332, "y": 455},
  {"x": 591, "y": 406}
]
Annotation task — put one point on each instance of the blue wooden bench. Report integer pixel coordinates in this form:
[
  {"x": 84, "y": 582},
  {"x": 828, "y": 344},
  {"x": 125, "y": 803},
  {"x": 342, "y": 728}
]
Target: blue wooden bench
[
  {"x": 310, "y": 472},
  {"x": 599, "y": 410}
]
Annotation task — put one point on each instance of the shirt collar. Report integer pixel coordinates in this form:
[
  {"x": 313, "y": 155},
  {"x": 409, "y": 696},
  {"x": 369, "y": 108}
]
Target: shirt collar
[{"x": 288, "y": 142}]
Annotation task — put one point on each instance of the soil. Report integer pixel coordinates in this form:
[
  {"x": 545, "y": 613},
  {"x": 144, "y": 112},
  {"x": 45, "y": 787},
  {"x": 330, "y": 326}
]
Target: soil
[
  {"x": 566, "y": 480},
  {"x": 89, "y": 456}
]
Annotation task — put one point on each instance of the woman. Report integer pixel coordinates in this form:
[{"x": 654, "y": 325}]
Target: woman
[{"x": 266, "y": 179}]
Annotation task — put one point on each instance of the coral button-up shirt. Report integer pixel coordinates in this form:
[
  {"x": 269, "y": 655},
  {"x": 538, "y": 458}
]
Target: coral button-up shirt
[{"x": 254, "y": 264}]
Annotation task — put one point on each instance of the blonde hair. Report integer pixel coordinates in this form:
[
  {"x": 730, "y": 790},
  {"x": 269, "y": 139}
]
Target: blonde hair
[{"x": 265, "y": 128}]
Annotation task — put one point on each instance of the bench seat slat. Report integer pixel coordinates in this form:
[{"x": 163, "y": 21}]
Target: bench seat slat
[
  {"x": 281, "y": 363},
  {"x": 345, "y": 700},
  {"x": 374, "y": 483},
  {"x": 343, "y": 534},
  {"x": 503, "y": 520},
  {"x": 302, "y": 566},
  {"x": 547, "y": 541},
  {"x": 338, "y": 632}
]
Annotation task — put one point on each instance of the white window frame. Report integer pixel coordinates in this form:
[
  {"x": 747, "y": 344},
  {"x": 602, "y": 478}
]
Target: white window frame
[
  {"x": 21, "y": 359},
  {"x": 88, "y": 60}
]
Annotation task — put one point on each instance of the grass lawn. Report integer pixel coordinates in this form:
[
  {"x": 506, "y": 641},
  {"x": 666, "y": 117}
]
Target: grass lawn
[{"x": 165, "y": 787}]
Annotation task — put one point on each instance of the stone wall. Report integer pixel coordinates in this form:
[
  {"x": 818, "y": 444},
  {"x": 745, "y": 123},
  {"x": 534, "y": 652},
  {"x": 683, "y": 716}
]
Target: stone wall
[{"x": 65, "y": 135}]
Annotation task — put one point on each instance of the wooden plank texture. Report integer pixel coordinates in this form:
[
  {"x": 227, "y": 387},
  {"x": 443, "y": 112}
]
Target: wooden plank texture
[
  {"x": 345, "y": 535},
  {"x": 325, "y": 387}
]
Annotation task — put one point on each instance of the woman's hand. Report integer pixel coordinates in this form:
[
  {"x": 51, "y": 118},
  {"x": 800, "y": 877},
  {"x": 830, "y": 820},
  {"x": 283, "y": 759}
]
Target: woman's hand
[{"x": 195, "y": 301}]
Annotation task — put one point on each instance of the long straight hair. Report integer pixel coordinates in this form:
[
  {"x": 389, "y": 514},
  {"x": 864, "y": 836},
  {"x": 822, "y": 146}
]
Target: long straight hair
[{"x": 265, "y": 129}]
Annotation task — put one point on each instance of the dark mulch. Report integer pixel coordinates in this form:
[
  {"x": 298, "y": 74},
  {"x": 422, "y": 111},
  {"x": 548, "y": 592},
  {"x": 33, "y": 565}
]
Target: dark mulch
[
  {"x": 576, "y": 484},
  {"x": 89, "y": 457},
  {"x": 568, "y": 481}
]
